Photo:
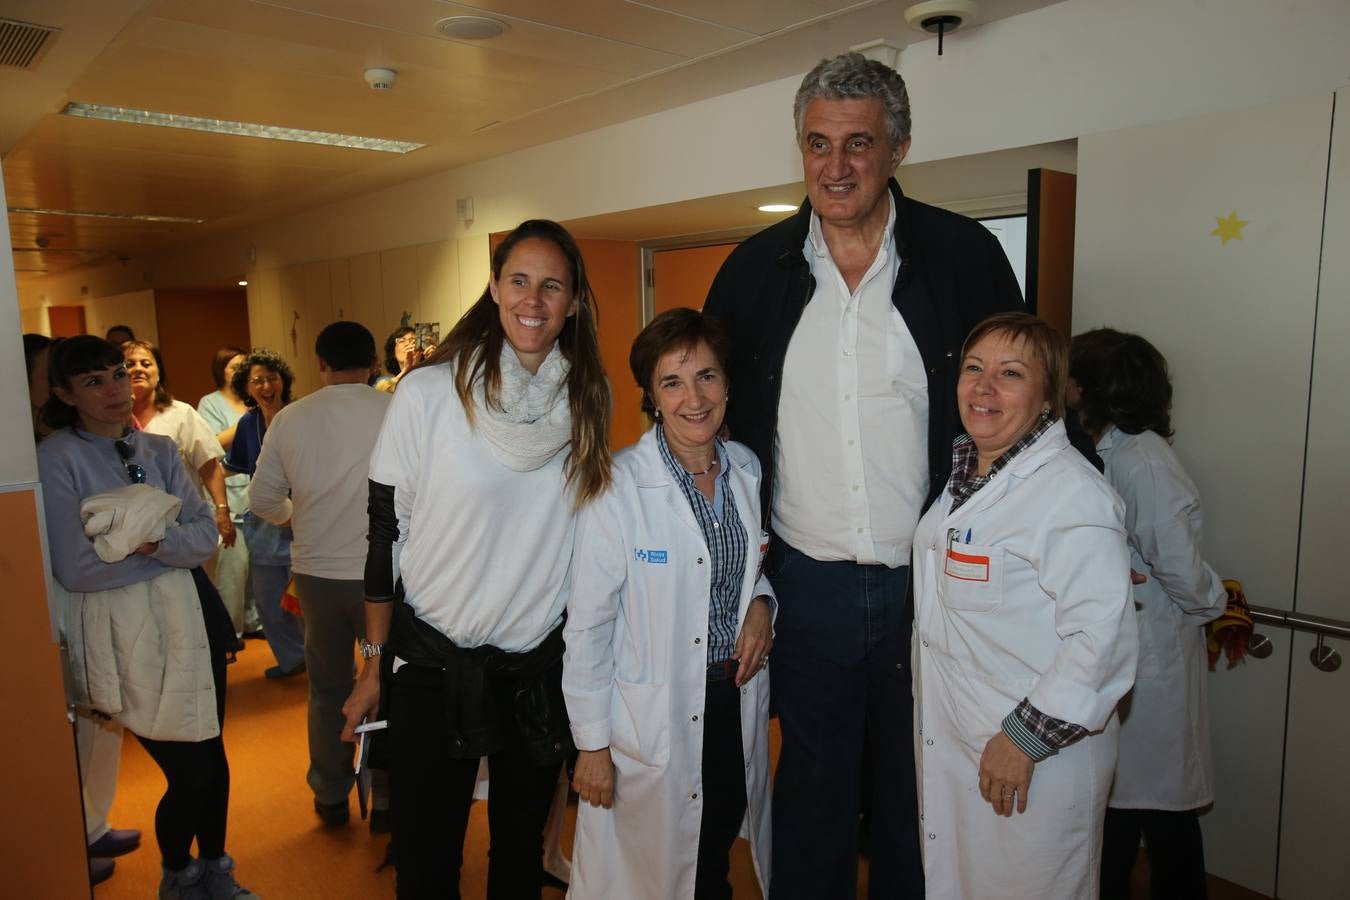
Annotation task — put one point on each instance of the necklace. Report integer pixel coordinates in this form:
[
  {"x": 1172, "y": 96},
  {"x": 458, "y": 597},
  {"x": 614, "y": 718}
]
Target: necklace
[{"x": 712, "y": 466}]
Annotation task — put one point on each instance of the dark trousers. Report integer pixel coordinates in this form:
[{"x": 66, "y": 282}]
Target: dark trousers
[
  {"x": 196, "y": 802},
  {"x": 335, "y": 619},
  {"x": 841, "y": 683},
  {"x": 723, "y": 789},
  {"x": 430, "y": 795},
  {"x": 1176, "y": 853}
]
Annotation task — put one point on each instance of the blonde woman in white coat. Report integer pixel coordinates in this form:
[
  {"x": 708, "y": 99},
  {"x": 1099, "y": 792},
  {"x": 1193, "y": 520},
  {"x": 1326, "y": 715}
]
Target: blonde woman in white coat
[
  {"x": 1024, "y": 637},
  {"x": 1120, "y": 385},
  {"x": 668, "y": 634}
]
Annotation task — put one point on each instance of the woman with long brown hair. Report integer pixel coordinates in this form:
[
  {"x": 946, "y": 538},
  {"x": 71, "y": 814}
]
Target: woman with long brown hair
[{"x": 487, "y": 452}]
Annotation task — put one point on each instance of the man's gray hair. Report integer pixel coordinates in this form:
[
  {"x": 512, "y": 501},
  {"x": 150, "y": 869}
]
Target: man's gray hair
[{"x": 851, "y": 76}]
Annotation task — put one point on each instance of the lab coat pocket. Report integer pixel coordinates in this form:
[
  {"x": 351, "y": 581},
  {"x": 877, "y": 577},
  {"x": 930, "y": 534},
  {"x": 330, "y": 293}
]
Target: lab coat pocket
[
  {"x": 640, "y": 729},
  {"x": 972, "y": 578}
]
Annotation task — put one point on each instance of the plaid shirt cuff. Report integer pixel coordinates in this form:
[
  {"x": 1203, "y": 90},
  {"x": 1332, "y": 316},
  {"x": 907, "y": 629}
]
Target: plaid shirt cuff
[{"x": 1037, "y": 735}]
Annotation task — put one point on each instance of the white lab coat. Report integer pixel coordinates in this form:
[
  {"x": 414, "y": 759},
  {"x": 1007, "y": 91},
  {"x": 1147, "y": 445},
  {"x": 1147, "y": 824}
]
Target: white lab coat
[
  {"x": 1164, "y": 758},
  {"x": 635, "y": 675},
  {"x": 1042, "y": 611}
]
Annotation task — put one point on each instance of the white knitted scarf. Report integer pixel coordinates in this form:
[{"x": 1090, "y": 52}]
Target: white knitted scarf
[{"x": 534, "y": 421}]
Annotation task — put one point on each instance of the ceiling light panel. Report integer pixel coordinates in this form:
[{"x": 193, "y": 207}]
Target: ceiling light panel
[
  {"x": 241, "y": 129},
  {"x": 126, "y": 217}
]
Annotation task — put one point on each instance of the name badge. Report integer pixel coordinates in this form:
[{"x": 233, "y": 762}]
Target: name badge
[{"x": 966, "y": 567}]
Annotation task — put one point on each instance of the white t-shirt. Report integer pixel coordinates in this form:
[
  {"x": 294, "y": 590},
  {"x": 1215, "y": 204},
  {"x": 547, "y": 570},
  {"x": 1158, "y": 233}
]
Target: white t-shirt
[
  {"x": 312, "y": 470},
  {"x": 483, "y": 551},
  {"x": 851, "y": 451},
  {"x": 194, "y": 438}
]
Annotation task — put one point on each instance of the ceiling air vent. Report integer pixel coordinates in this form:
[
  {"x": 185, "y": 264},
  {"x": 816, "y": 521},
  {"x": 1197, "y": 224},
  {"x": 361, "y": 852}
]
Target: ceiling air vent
[{"x": 22, "y": 44}]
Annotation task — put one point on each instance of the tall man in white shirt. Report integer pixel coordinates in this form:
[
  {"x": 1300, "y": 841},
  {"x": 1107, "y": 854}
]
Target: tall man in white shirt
[
  {"x": 312, "y": 472},
  {"x": 849, "y": 319}
]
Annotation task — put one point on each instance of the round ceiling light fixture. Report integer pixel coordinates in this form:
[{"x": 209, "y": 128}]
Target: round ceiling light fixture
[
  {"x": 471, "y": 28},
  {"x": 941, "y": 17}
]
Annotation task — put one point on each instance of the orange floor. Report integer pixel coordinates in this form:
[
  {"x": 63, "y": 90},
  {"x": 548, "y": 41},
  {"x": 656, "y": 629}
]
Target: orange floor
[{"x": 282, "y": 851}]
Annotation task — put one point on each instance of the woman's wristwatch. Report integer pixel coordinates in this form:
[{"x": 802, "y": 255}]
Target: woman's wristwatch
[{"x": 369, "y": 650}]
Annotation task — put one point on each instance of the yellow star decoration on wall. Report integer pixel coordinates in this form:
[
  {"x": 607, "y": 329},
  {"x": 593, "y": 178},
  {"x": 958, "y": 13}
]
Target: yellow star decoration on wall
[{"x": 1230, "y": 228}]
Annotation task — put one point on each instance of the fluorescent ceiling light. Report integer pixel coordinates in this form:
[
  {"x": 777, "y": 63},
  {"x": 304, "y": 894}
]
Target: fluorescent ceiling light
[
  {"x": 129, "y": 217},
  {"x": 778, "y": 207},
  {"x": 244, "y": 129}
]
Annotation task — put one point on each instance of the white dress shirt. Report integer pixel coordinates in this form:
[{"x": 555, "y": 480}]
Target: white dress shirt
[{"x": 851, "y": 451}]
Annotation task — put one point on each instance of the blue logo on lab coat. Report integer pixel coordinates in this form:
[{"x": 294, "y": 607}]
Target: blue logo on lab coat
[{"x": 655, "y": 557}]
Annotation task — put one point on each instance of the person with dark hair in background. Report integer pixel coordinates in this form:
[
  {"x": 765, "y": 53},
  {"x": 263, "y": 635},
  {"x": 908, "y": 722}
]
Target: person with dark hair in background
[
  {"x": 35, "y": 348},
  {"x": 222, "y": 410},
  {"x": 156, "y": 411},
  {"x": 146, "y": 631},
  {"x": 1120, "y": 384},
  {"x": 312, "y": 473},
  {"x": 672, "y": 732},
  {"x": 119, "y": 335},
  {"x": 401, "y": 354},
  {"x": 489, "y": 449},
  {"x": 264, "y": 381},
  {"x": 848, "y": 319}
]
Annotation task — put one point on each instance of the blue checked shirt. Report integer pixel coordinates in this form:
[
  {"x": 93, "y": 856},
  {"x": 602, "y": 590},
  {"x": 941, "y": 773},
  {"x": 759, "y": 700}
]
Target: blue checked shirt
[{"x": 727, "y": 543}]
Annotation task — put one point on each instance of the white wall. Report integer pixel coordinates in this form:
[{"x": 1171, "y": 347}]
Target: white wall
[{"x": 1074, "y": 68}]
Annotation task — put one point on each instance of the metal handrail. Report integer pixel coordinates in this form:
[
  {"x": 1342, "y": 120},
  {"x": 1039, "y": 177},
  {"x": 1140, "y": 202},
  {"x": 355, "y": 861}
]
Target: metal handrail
[{"x": 1301, "y": 621}]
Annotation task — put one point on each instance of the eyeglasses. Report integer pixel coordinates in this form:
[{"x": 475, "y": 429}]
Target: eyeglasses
[
  {"x": 260, "y": 380},
  {"x": 134, "y": 470}
]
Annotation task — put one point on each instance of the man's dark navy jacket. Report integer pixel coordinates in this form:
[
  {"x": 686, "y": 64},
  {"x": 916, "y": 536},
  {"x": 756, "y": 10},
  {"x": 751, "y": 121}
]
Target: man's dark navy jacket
[{"x": 953, "y": 274}]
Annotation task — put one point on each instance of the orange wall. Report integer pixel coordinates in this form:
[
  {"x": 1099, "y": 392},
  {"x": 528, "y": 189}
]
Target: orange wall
[
  {"x": 42, "y": 831},
  {"x": 682, "y": 277},
  {"x": 66, "y": 321},
  {"x": 613, "y": 268},
  {"x": 193, "y": 325}
]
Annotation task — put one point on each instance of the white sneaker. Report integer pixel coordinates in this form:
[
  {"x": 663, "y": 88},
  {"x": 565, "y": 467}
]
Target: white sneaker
[
  {"x": 220, "y": 883},
  {"x": 187, "y": 883}
]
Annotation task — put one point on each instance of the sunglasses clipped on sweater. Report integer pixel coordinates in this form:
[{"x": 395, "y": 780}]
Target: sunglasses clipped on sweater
[{"x": 134, "y": 469}]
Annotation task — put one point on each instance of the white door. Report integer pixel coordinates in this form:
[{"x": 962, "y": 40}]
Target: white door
[
  {"x": 1315, "y": 837},
  {"x": 1235, "y": 320}
]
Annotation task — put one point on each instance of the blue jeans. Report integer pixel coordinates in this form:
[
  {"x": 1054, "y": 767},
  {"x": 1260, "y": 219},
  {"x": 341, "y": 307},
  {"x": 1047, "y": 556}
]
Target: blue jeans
[
  {"x": 842, "y": 690},
  {"x": 284, "y": 632}
]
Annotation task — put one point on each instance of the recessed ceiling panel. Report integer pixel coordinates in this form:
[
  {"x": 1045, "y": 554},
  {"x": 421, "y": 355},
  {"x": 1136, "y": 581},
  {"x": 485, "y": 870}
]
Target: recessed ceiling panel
[{"x": 756, "y": 16}]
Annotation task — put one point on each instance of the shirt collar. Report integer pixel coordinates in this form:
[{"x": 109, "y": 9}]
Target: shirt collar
[
  {"x": 679, "y": 472},
  {"x": 816, "y": 237},
  {"x": 965, "y": 458}
]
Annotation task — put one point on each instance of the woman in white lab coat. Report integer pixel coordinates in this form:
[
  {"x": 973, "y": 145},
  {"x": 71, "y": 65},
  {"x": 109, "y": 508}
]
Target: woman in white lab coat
[
  {"x": 668, "y": 633},
  {"x": 1119, "y": 383},
  {"x": 1024, "y": 639}
]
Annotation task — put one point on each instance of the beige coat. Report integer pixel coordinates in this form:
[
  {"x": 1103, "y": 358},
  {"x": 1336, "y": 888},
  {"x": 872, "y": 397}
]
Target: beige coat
[{"x": 139, "y": 653}]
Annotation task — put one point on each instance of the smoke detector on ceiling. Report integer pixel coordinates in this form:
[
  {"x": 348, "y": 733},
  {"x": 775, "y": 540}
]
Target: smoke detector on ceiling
[
  {"x": 471, "y": 28},
  {"x": 381, "y": 79},
  {"x": 941, "y": 17}
]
